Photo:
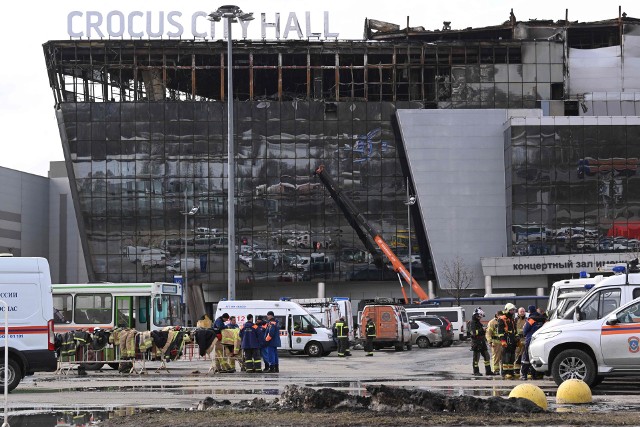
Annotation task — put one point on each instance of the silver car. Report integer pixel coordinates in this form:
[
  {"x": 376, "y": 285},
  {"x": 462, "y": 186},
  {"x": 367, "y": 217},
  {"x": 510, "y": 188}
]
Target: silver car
[{"x": 424, "y": 335}]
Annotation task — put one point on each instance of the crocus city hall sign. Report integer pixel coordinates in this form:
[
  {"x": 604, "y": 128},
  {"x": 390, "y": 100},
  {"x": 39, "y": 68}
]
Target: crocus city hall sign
[{"x": 175, "y": 24}]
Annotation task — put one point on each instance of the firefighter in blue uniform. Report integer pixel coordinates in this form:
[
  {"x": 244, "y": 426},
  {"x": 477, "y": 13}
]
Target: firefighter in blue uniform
[
  {"x": 272, "y": 338},
  {"x": 251, "y": 341}
]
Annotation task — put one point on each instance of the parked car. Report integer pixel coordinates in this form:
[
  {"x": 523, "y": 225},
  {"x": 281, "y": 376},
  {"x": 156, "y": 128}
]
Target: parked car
[
  {"x": 424, "y": 335},
  {"x": 444, "y": 325}
]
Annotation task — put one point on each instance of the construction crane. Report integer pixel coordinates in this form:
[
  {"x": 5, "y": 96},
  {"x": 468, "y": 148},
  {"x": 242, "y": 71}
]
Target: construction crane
[{"x": 363, "y": 228}]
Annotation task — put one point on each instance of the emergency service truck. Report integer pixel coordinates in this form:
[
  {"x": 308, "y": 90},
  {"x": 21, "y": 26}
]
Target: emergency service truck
[
  {"x": 25, "y": 286},
  {"x": 330, "y": 310},
  {"x": 299, "y": 329},
  {"x": 392, "y": 326}
]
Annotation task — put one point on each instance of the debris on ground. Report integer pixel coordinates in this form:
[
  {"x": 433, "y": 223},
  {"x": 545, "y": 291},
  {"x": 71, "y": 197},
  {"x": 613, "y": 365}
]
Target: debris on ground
[
  {"x": 386, "y": 406},
  {"x": 381, "y": 399}
]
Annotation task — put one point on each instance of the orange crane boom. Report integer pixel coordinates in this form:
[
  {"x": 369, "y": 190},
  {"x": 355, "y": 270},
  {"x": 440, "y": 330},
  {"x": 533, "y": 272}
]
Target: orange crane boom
[{"x": 362, "y": 228}]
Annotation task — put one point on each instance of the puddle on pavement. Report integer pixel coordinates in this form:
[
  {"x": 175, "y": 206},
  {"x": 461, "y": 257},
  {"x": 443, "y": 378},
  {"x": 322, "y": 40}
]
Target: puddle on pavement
[
  {"x": 28, "y": 418},
  {"x": 174, "y": 389}
]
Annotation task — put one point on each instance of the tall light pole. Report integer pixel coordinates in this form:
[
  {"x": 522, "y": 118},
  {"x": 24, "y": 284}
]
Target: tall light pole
[
  {"x": 411, "y": 200},
  {"x": 187, "y": 214},
  {"x": 231, "y": 13}
]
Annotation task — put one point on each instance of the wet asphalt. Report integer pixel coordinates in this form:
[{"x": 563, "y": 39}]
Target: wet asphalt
[{"x": 186, "y": 382}]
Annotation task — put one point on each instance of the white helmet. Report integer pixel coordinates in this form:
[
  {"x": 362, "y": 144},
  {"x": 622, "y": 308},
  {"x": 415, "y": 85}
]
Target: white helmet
[
  {"x": 509, "y": 306},
  {"x": 478, "y": 312}
]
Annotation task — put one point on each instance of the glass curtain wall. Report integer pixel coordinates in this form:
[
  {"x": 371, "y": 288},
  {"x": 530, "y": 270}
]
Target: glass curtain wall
[
  {"x": 138, "y": 166},
  {"x": 572, "y": 189}
]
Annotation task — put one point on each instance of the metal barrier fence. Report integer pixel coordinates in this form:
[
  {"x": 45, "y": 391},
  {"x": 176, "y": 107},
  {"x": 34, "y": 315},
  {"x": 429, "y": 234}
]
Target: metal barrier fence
[{"x": 85, "y": 357}]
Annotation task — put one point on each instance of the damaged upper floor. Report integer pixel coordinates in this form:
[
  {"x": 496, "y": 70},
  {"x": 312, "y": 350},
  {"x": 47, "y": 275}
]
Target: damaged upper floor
[{"x": 513, "y": 65}]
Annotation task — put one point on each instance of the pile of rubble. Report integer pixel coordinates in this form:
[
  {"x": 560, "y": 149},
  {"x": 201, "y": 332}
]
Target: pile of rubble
[{"x": 381, "y": 399}]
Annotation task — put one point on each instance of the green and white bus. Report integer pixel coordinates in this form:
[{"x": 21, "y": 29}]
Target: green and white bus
[{"x": 143, "y": 306}]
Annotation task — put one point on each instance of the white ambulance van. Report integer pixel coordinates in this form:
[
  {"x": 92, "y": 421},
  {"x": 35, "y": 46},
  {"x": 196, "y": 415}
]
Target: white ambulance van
[
  {"x": 330, "y": 310},
  {"x": 299, "y": 329},
  {"x": 25, "y": 285}
]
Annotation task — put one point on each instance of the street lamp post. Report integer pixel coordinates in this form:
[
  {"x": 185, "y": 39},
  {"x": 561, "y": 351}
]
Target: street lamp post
[
  {"x": 231, "y": 14},
  {"x": 411, "y": 200},
  {"x": 187, "y": 214}
]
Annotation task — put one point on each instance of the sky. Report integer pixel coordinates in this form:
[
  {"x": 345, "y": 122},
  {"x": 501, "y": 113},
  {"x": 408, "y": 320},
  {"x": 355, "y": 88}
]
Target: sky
[{"x": 30, "y": 138}]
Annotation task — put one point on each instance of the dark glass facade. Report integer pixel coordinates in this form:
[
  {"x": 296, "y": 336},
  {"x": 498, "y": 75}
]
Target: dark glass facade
[
  {"x": 137, "y": 165},
  {"x": 143, "y": 126},
  {"x": 572, "y": 188}
]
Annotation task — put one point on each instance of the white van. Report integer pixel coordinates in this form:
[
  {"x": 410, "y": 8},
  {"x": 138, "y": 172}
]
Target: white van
[
  {"x": 566, "y": 301},
  {"x": 603, "y": 298},
  {"x": 329, "y": 310},
  {"x": 456, "y": 316},
  {"x": 299, "y": 329},
  {"x": 25, "y": 285},
  {"x": 569, "y": 285}
]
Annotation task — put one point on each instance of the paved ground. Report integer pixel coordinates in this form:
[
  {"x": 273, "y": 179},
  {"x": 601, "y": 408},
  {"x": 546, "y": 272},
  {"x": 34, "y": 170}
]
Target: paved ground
[{"x": 438, "y": 369}]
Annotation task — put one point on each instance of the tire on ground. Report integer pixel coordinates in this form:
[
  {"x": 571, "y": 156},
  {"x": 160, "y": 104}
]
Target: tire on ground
[
  {"x": 423, "y": 342},
  {"x": 14, "y": 374},
  {"x": 314, "y": 349}
]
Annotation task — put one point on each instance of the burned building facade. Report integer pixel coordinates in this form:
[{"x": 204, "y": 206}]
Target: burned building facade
[{"x": 143, "y": 127}]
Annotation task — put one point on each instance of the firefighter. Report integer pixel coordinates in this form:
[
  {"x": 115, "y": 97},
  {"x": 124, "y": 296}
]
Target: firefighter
[
  {"x": 508, "y": 340},
  {"x": 370, "y": 332},
  {"x": 272, "y": 338},
  {"x": 494, "y": 342},
  {"x": 521, "y": 320},
  {"x": 479, "y": 343},
  {"x": 251, "y": 343},
  {"x": 341, "y": 332}
]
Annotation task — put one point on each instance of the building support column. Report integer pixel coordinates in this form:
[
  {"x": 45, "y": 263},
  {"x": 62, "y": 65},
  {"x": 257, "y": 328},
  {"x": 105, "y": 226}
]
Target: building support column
[{"x": 488, "y": 289}]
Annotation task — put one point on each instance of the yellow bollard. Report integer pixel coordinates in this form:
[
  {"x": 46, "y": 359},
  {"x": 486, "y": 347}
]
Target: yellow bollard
[
  {"x": 530, "y": 392},
  {"x": 573, "y": 391}
]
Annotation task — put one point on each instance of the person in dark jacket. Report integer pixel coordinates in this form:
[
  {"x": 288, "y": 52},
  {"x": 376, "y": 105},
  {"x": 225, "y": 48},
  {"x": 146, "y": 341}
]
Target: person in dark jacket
[
  {"x": 370, "y": 332},
  {"x": 251, "y": 342},
  {"x": 341, "y": 332},
  {"x": 262, "y": 327},
  {"x": 479, "y": 343},
  {"x": 232, "y": 323},
  {"x": 220, "y": 324},
  {"x": 272, "y": 339},
  {"x": 534, "y": 322}
]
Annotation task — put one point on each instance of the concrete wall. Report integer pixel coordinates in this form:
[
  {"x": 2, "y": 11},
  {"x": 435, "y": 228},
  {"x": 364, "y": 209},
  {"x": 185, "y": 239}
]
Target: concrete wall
[
  {"x": 606, "y": 69},
  {"x": 65, "y": 250},
  {"x": 457, "y": 165},
  {"x": 23, "y": 221},
  {"x": 37, "y": 219}
]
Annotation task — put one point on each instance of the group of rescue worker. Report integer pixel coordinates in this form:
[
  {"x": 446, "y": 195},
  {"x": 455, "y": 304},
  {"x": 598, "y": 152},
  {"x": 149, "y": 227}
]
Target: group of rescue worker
[
  {"x": 250, "y": 346},
  {"x": 340, "y": 331},
  {"x": 508, "y": 335}
]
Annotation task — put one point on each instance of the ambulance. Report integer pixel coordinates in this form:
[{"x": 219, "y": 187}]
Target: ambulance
[
  {"x": 25, "y": 288},
  {"x": 300, "y": 331}
]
